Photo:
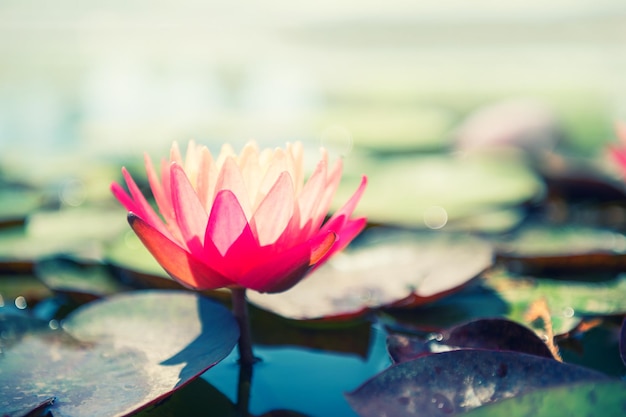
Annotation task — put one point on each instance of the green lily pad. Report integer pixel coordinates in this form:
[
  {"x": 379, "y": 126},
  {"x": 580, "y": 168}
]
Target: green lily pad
[
  {"x": 77, "y": 231},
  {"x": 191, "y": 399},
  {"x": 17, "y": 204},
  {"x": 545, "y": 248},
  {"x": 451, "y": 383},
  {"x": 23, "y": 290},
  {"x": 113, "y": 356},
  {"x": 439, "y": 191},
  {"x": 74, "y": 177},
  {"x": 82, "y": 283},
  {"x": 473, "y": 302},
  {"x": 568, "y": 301},
  {"x": 135, "y": 263},
  {"x": 383, "y": 269},
  {"x": 581, "y": 399}
]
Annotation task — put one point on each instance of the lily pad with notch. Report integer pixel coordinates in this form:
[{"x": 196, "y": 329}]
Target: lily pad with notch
[{"x": 115, "y": 356}]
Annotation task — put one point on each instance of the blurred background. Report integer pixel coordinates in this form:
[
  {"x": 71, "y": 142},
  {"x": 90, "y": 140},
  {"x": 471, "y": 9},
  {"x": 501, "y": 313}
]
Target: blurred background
[
  {"x": 131, "y": 76},
  {"x": 399, "y": 89}
]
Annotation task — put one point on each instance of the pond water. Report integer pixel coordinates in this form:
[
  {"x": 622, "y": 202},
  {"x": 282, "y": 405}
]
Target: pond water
[{"x": 308, "y": 381}]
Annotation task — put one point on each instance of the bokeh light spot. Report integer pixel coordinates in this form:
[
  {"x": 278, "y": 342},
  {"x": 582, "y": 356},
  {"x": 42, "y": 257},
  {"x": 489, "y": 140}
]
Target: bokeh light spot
[
  {"x": 435, "y": 217},
  {"x": 20, "y": 302},
  {"x": 337, "y": 139},
  {"x": 72, "y": 193}
]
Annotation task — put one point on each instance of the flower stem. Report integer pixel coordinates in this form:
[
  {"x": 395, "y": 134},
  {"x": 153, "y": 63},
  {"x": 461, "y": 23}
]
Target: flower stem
[
  {"x": 244, "y": 387},
  {"x": 240, "y": 310}
]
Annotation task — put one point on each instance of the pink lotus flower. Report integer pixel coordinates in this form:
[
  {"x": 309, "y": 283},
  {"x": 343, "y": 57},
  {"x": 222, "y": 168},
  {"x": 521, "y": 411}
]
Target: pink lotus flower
[{"x": 240, "y": 221}]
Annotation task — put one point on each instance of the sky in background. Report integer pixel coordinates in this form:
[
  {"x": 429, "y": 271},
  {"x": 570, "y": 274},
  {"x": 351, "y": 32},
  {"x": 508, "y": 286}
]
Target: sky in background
[{"x": 135, "y": 75}]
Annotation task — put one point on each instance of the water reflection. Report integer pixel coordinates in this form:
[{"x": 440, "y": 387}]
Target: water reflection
[{"x": 308, "y": 381}]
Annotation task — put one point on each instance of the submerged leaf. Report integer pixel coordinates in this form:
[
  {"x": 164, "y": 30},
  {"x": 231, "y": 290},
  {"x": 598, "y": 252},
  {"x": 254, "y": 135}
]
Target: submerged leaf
[
  {"x": 116, "y": 355},
  {"x": 451, "y": 383}
]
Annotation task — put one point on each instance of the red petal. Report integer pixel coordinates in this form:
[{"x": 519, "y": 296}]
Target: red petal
[
  {"x": 137, "y": 203},
  {"x": 285, "y": 269},
  {"x": 180, "y": 264},
  {"x": 122, "y": 196}
]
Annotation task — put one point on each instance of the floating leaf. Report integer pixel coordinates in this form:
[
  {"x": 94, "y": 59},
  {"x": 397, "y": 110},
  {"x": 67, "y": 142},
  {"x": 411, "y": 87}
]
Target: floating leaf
[
  {"x": 568, "y": 301},
  {"x": 25, "y": 285},
  {"x": 116, "y": 355},
  {"x": 82, "y": 283},
  {"x": 451, "y": 383},
  {"x": 438, "y": 191},
  {"x": 386, "y": 269},
  {"x": 71, "y": 175},
  {"x": 546, "y": 249},
  {"x": 131, "y": 259},
  {"x": 77, "y": 231},
  {"x": 193, "y": 399},
  {"x": 472, "y": 302},
  {"x": 491, "y": 334},
  {"x": 582, "y": 399},
  {"x": 17, "y": 204}
]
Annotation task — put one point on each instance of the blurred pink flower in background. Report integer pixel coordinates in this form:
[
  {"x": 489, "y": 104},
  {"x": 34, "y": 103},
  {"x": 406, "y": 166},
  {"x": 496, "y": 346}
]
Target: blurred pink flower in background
[
  {"x": 240, "y": 221},
  {"x": 618, "y": 152}
]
